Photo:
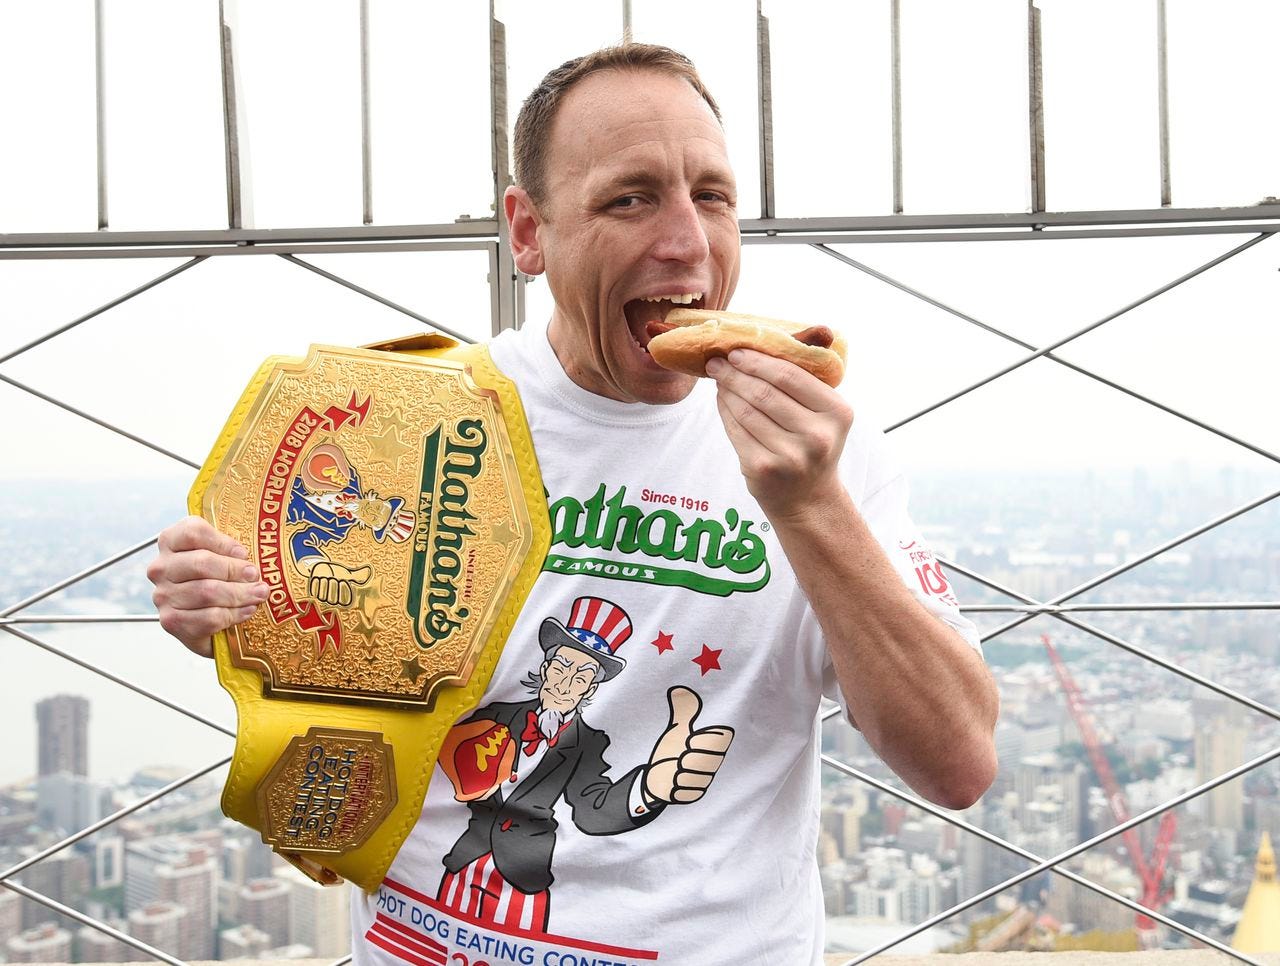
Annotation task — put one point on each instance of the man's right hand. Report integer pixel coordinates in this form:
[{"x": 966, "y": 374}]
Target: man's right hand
[{"x": 204, "y": 583}]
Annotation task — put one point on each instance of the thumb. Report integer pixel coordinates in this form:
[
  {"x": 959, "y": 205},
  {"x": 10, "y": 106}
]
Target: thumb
[
  {"x": 685, "y": 705},
  {"x": 362, "y": 575}
]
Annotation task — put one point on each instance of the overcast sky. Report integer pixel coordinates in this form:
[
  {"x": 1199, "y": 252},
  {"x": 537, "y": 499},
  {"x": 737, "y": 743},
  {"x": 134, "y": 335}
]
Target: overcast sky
[{"x": 169, "y": 364}]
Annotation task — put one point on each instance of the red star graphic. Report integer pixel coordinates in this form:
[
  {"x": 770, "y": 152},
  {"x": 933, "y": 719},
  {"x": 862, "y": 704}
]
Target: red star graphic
[
  {"x": 663, "y": 643},
  {"x": 709, "y": 659}
]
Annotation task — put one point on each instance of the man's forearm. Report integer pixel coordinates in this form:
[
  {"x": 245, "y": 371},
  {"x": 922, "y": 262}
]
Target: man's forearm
[{"x": 919, "y": 693}]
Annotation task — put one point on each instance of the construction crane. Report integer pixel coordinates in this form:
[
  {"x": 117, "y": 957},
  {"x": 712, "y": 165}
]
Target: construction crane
[{"x": 1150, "y": 873}]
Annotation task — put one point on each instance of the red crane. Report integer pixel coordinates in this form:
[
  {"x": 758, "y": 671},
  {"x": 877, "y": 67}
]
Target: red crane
[{"x": 1151, "y": 873}]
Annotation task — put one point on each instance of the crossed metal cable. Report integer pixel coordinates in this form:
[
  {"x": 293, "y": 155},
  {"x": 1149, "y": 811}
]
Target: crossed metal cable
[
  {"x": 1052, "y": 607},
  {"x": 7, "y": 621}
]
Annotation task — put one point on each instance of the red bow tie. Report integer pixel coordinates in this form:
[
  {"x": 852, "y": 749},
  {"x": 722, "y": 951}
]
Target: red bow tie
[{"x": 532, "y": 737}]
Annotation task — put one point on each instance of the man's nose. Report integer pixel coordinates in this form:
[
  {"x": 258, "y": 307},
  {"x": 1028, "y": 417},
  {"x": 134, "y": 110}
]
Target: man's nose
[{"x": 682, "y": 236}]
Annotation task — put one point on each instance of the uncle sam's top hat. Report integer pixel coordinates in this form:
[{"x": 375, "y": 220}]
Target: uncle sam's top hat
[{"x": 596, "y": 626}]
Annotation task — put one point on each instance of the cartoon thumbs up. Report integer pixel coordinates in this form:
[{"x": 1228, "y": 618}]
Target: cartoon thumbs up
[{"x": 686, "y": 758}]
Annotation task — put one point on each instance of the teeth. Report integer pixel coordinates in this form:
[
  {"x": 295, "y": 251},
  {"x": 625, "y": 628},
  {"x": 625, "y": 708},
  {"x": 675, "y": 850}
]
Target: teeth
[{"x": 688, "y": 298}]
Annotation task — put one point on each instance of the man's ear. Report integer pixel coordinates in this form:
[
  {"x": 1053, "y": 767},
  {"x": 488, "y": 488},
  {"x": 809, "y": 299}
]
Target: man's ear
[
  {"x": 524, "y": 221},
  {"x": 589, "y": 692}
]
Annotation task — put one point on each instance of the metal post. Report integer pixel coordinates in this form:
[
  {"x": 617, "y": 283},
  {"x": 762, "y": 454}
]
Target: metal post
[
  {"x": 627, "y": 34},
  {"x": 764, "y": 74},
  {"x": 100, "y": 97},
  {"x": 1162, "y": 66},
  {"x": 506, "y": 282},
  {"x": 1036, "y": 98},
  {"x": 895, "y": 89},
  {"x": 230, "y": 126},
  {"x": 366, "y": 154}
]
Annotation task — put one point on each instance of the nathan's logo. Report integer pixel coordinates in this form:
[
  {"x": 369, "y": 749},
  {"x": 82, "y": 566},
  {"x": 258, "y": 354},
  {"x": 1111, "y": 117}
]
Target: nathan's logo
[
  {"x": 700, "y": 551},
  {"x": 444, "y": 523}
]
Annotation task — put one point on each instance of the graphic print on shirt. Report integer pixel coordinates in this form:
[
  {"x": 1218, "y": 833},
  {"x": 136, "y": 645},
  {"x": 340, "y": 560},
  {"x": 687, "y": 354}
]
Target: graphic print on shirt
[
  {"x": 511, "y": 762},
  {"x": 929, "y": 573},
  {"x": 653, "y": 537}
]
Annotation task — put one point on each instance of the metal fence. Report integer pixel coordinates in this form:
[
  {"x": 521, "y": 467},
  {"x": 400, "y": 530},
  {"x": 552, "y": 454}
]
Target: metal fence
[{"x": 1257, "y": 223}]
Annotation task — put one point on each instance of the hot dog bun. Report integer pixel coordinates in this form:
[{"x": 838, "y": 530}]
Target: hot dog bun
[{"x": 697, "y": 335}]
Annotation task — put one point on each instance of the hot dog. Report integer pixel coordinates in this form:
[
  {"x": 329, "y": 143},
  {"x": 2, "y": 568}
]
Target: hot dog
[{"x": 689, "y": 337}]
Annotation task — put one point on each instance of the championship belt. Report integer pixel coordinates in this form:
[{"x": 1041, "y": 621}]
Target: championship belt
[{"x": 392, "y": 502}]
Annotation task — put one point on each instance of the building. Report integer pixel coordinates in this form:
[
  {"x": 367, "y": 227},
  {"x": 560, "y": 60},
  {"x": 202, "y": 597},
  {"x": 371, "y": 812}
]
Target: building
[
  {"x": 10, "y": 913},
  {"x": 178, "y": 870},
  {"x": 319, "y": 916},
  {"x": 242, "y": 942},
  {"x": 264, "y": 904},
  {"x": 1259, "y": 928},
  {"x": 163, "y": 925},
  {"x": 62, "y": 733},
  {"x": 68, "y": 803},
  {"x": 95, "y": 946},
  {"x": 1219, "y": 747},
  {"x": 45, "y": 943},
  {"x": 62, "y": 876}
]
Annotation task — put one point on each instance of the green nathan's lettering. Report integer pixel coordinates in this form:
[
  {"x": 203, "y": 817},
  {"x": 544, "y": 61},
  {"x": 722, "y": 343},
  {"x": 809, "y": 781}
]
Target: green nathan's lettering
[
  {"x": 437, "y": 562},
  {"x": 606, "y": 521}
]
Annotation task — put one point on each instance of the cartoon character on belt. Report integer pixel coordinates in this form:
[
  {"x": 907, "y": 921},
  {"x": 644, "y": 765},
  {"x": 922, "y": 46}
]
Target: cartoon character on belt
[
  {"x": 328, "y": 500},
  {"x": 512, "y": 761}
]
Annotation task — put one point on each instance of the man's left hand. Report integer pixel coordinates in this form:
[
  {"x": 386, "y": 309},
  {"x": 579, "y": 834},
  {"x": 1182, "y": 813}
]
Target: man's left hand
[{"x": 788, "y": 428}]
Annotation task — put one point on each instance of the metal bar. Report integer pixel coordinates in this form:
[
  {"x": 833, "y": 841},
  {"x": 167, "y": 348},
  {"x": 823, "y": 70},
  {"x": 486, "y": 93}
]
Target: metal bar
[
  {"x": 1124, "y": 645},
  {"x": 230, "y": 122},
  {"x": 1035, "y": 100},
  {"x": 102, "y": 308},
  {"x": 1071, "y": 853},
  {"x": 1129, "y": 565},
  {"x": 1074, "y": 608},
  {"x": 83, "y": 619},
  {"x": 100, "y": 108},
  {"x": 628, "y": 34},
  {"x": 508, "y": 282},
  {"x": 366, "y": 153},
  {"x": 377, "y": 298},
  {"x": 115, "y": 816},
  {"x": 1162, "y": 68},
  {"x": 764, "y": 87},
  {"x": 995, "y": 840},
  {"x": 136, "y": 688},
  {"x": 1079, "y": 332},
  {"x": 1058, "y": 359},
  {"x": 485, "y": 228},
  {"x": 303, "y": 248},
  {"x": 80, "y": 917},
  {"x": 77, "y": 577},
  {"x": 987, "y": 236},
  {"x": 895, "y": 95},
  {"x": 251, "y": 249},
  {"x": 477, "y": 228},
  {"x": 100, "y": 422}
]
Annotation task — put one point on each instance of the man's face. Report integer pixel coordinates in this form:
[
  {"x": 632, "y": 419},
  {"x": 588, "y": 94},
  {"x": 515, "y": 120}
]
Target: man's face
[
  {"x": 641, "y": 204},
  {"x": 568, "y": 676}
]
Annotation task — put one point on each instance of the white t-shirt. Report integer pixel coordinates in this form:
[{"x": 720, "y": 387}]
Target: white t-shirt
[{"x": 652, "y": 519}]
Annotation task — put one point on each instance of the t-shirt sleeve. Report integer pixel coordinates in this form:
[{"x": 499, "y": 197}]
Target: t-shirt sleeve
[{"x": 885, "y": 511}]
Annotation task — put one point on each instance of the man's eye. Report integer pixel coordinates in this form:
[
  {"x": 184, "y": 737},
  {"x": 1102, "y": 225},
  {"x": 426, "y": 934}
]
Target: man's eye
[{"x": 626, "y": 201}]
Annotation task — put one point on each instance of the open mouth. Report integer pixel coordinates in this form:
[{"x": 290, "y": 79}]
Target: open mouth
[{"x": 641, "y": 312}]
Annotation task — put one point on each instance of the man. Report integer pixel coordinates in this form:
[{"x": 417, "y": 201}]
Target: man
[{"x": 760, "y": 536}]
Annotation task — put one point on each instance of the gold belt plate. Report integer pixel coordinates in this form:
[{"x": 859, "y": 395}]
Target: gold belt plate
[{"x": 380, "y": 499}]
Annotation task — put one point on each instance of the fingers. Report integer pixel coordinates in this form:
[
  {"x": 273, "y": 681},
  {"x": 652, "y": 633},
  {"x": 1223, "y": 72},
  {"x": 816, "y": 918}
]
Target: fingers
[
  {"x": 761, "y": 403},
  {"x": 195, "y": 533},
  {"x": 330, "y": 590},
  {"x": 203, "y": 583},
  {"x": 685, "y": 705}
]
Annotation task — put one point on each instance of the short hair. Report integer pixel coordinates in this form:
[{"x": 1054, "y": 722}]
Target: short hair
[{"x": 538, "y": 113}]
